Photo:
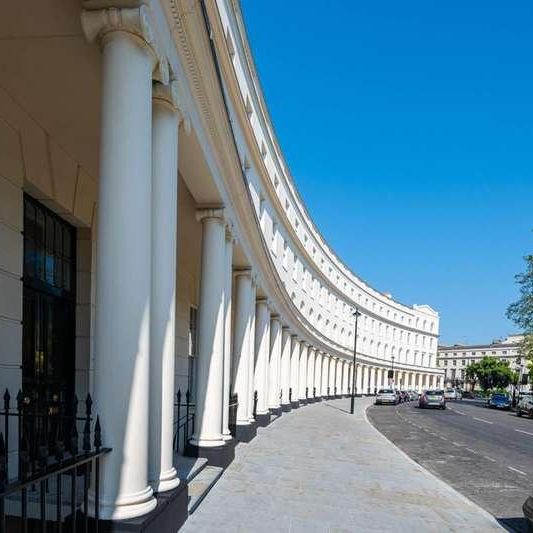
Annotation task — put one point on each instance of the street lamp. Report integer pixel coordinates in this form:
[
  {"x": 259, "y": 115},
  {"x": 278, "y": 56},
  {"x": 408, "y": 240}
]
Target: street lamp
[
  {"x": 392, "y": 368},
  {"x": 355, "y": 314}
]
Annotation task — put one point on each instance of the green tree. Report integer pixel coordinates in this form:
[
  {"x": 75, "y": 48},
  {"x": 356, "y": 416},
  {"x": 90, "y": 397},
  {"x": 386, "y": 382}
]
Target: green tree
[
  {"x": 521, "y": 311},
  {"x": 491, "y": 373}
]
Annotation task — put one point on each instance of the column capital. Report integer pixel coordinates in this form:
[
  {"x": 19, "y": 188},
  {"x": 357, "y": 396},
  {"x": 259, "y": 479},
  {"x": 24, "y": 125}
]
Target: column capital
[
  {"x": 205, "y": 213},
  {"x": 245, "y": 272},
  {"x": 168, "y": 96},
  {"x": 98, "y": 24},
  {"x": 274, "y": 317}
]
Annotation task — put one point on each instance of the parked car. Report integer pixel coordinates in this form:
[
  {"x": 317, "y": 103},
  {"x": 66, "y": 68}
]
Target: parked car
[
  {"x": 387, "y": 397},
  {"x": 413, "y": 395},
  {"x": 525, "y": 406},
  {"x": 432, "y": 398},
  {"x": 499, "y": 400},
  {"x": 459, "y": 394},
  {"x": 450, "y": 394},
  {"x": 404, "y": 397}
]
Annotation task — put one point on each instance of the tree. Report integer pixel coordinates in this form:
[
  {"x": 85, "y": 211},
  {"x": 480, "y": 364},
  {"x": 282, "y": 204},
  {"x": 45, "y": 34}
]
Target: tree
[
  {"x": 491, "y": 373},
  {"x": 521, "y": 311}
]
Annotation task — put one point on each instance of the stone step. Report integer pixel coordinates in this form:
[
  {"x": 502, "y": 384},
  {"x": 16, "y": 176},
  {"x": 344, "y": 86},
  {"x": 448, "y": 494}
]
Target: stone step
[
  {"x": 201, "y": 485},
  {"x": 189, "y": 467}
]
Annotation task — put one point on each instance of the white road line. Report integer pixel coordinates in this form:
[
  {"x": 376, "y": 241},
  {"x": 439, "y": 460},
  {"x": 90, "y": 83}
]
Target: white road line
[
  {"x": 526, "y": 432},
  {"x": 489, "y": 458},
  {"x": 459, "y": 412},
  {"x": 472, "y": 451},
  {"x": 457, "y": 444},
  {"x": 517, "y": 471},
  {"x": 483, "y": 420},
  {"x": 443, "y": 438}
]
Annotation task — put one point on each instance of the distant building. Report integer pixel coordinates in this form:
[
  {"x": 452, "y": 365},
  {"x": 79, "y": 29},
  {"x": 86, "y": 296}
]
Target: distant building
[{"x": 454, "y": 360}]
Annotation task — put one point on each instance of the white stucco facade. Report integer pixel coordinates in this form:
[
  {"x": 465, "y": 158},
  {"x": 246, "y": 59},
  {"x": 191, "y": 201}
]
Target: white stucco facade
[{"x": 198, "y": 266}]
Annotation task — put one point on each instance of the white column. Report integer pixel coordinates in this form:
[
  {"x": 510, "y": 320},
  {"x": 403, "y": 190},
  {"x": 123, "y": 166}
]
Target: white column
[
  {"x": 325, "y": 375},
  {"x": 161, "y": 472},
  {"x": 365, "y": 379},
  {"x": 304, "y": 350},
  {"x": 228, "y": 287},
  {"x": 285, "y": 365},
  {"x": 241, "y": 344},
  {"x": 311, "y": 370},
  {"x": 123, "y": 265},
  {"x": 346, "y": 377},
  {"x": 208, "y": 418},
  {"x": 275, "y": 357},
  {"x": 331, "y": 373},
  {"x": 262, "y": 347},
  {"x": 318, "y": 373},
  {"x": 338, "y": 376},
  {"x": 251, "y": 365},
  {"x": 295, "y": 367},
  {"x": 359, "y": 379}
]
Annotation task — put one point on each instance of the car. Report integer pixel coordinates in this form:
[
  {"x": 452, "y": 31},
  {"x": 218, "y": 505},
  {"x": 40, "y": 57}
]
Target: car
[
  {"x": 499, "y": 400},
  {"x": 450, "y": 394},
  {"x": 387, "y": 397},
  {"x": 525, "y": 406},
  {"x": 413, "y": 395},
  {"x": 404, "y": 397},
  {"x": 459, "y": 394},
  {"x": 432, "y": 398}
]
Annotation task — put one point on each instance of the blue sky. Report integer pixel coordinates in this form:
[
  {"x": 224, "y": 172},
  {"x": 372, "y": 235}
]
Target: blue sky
[{"x": 408, "y": 128}]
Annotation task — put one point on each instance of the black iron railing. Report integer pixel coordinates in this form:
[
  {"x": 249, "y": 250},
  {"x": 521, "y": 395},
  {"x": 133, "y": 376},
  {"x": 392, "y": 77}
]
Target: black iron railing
[
  {"x": 290, "y": 394},
  {"x": 232, "y": 419},
  {"x": 254, "y": 411},
  {"x": 41, "y": 461},
  {"x": 306, "y": 393},
  {"x": 184, "y": 421},
  {"x": 314, "y": 392}
]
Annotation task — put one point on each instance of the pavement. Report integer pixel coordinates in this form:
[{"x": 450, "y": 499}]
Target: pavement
[
  {"x": 320, "y": 469},
  {"x": 485, "y": 454}
]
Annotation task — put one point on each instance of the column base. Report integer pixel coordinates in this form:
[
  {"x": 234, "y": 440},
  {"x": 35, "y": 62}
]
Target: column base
[
  {"x": 168, "y": 516},
  {"x": 527, "y": 509},
  {"x": 318, "y": 399},
  {"x": 286, "y": 407},
  {"x": 245, "y": 432},
  {"x": 295, "y": 405},
  {"x": 220, "y": 456},
  {"x": 302, "y": 401},
  {"x": 310, "y": 400},
  {"x": 262, "y": 420},
  {"x": 275, "y": 411}
]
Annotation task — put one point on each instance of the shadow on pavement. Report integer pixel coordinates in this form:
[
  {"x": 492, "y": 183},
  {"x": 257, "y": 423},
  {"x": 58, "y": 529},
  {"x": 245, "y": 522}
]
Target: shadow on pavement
[{"x": 338, "y": 408}]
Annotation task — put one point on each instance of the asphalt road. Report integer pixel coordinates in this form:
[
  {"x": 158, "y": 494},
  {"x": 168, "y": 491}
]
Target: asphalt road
[{"x": 486, "y": 455}]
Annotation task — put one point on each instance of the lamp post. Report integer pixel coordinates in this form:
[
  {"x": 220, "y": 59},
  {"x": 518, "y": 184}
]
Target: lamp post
[
  {"x": 392, "y": 368},
  {"x": 355, "y": 314}
]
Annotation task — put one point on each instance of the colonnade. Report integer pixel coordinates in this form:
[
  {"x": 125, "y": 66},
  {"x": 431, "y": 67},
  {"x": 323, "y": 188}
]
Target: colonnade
[{"x": 245, "y": 346}]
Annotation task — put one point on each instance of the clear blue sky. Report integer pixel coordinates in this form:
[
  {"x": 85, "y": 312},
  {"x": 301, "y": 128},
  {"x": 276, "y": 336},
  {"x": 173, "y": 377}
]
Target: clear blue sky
[{"x": 408, "y": 128}]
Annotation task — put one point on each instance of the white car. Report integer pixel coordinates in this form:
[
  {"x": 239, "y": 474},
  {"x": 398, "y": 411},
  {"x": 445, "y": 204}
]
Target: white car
[
  {"x": 387, "y": 396},
  {"x": 525, "y": 405},
  {"x": 451, "y": 394}
]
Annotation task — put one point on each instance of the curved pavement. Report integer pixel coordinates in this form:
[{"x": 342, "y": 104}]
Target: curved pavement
[{"x": 319, "y": 468}]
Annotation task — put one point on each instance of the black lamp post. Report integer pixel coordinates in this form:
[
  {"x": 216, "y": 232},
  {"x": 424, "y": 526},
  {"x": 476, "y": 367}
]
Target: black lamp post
[
  {"x": 392, "y": 368},
  {"x": 356, "y": 314}
]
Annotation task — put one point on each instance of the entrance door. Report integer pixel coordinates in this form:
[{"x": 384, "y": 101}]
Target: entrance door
[{"x": 49, "y": 299}]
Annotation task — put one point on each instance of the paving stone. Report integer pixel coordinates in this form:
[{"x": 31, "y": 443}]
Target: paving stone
[{"x": 320, "y": 469}]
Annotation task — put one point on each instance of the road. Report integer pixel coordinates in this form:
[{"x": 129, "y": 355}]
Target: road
[{"x": 486, "y": 455}]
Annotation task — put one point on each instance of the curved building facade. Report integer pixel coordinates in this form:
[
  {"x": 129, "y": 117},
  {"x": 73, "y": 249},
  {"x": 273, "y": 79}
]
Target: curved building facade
[{"x": 153, "y": 247}]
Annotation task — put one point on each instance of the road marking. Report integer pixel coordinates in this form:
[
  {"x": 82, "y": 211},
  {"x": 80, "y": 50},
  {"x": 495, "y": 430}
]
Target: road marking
[
  {"x": 472, "y": 451},
  {"x": 444, "y": 438},
  {"x": 457, "y": 444},
  {"x": 517, "y": 471},
  {"x": 483, "y": 420},
  {"x": 489, "y": 458},
  {"x": 526, "y": 432},
  {"x": 459, "y": 412}
]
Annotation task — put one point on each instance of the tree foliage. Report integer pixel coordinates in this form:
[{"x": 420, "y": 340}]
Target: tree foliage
[
  {"x": 491, "y": 373},
  {"x": 521, "y": 311}
]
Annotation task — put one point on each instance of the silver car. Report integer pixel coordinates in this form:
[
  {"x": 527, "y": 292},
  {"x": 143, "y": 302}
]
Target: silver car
[
  {"x": 387, "y": 396},
  {"x": 432, "y": 398}
]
